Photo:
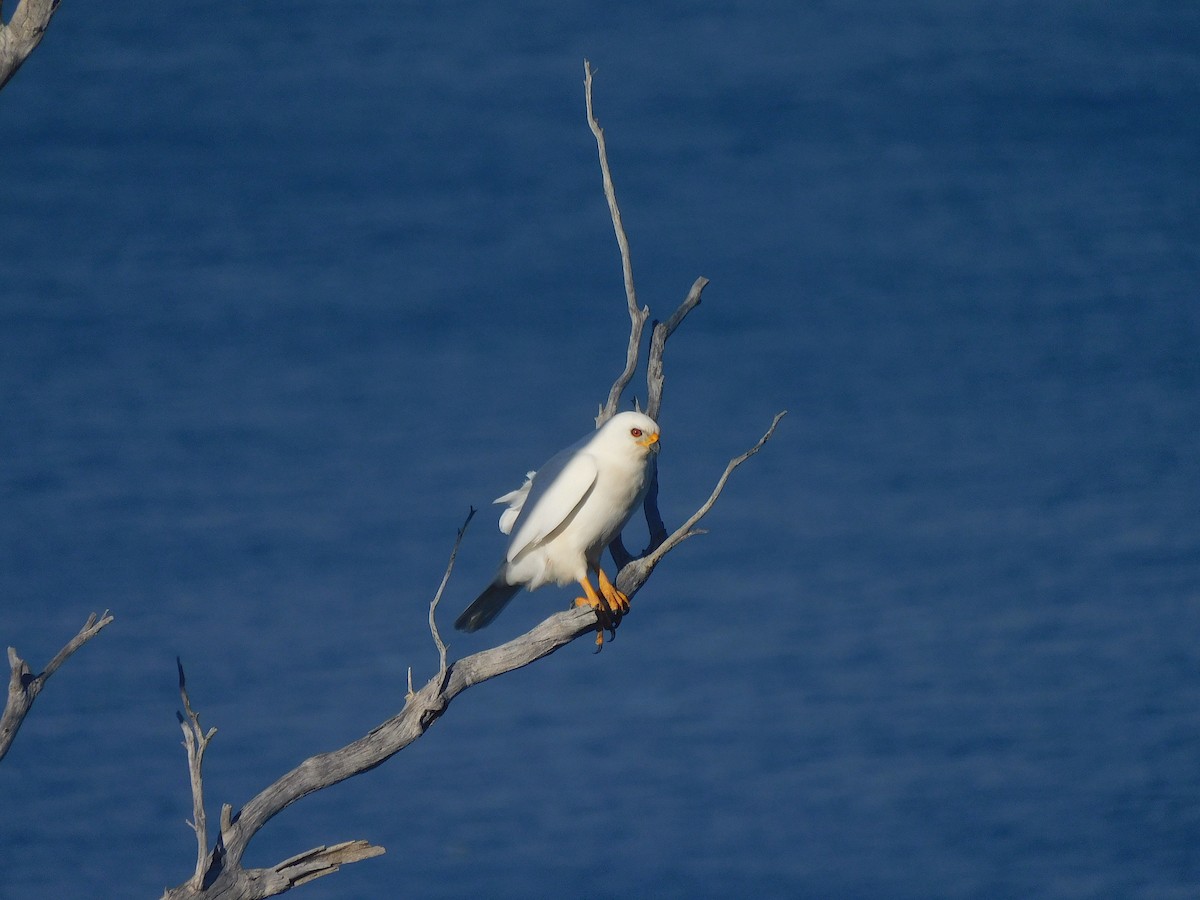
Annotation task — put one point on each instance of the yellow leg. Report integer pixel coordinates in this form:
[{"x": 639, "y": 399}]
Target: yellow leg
[
  {"x": 616, "y": 600},
  {"x": 604, "y": 614},
  {"x": 590, "y": 598}
]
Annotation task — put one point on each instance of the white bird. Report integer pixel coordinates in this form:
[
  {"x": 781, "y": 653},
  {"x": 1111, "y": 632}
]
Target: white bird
[{"x": 566, "y": 513}]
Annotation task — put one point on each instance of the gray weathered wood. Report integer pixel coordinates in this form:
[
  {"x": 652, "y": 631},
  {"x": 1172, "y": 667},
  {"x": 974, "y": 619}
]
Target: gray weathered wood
[
  {"x": 22, "y": 34},
  {"x": 637, "y": 315},
  {"x": 225, "y": 877},
  {"x": 195, "y": 742},
  {"x": 24, "y": 686}
]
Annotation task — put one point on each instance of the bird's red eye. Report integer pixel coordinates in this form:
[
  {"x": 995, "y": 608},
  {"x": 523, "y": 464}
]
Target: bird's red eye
[{"x": 636, "y": 432}]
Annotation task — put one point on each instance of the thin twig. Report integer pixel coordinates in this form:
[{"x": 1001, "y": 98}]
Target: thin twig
[
  {"x": 633, "y": 575},
  {"x": 658, "y": 345},
  {"x": 637, "y": 315},
  {"x": 685, "y": 530},
  {"x": 437, "y": 637},
  {"x": 94, "y": 625},
  {"x": 24, "y": 686}
]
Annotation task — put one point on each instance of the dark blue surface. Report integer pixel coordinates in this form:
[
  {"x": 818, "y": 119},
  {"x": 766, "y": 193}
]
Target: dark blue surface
[{"x": 284, "y": 290}]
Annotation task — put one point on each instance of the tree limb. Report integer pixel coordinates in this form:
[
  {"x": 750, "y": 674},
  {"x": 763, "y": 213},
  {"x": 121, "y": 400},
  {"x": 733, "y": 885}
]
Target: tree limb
[
  {"x": 633, "y": 575},
  {"x": 24, "y": 686},
  {"x": 637, "y": 316},
  {"x": 433, "y": 629},
  {"x": 22, "y": 34},
  {"x": 195, "y": 741},
  {"x": 225, "y": 878},
  {"x": 223, "y": 875},
  {"x": 217, "y": 875},
  {"x": 658, "y": 345},
  {"x": 654, "y": 391},
  {"x": 220, "y": 874}
]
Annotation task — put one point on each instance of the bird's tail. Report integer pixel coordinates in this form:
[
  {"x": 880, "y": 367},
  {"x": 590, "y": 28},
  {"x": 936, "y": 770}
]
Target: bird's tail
[{"x": 487, "y": 605}]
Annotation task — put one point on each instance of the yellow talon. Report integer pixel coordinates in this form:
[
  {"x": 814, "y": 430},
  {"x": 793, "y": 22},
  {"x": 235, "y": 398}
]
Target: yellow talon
[{"x": 616, "y": 600}]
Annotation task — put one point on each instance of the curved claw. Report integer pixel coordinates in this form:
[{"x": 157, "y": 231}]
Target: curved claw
[
  {"x": 604, "y": 620},
  {"x": 609, "y": 603}
]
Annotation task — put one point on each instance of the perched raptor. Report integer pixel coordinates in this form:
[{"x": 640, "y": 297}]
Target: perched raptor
[{"x": 566, "y": 513}]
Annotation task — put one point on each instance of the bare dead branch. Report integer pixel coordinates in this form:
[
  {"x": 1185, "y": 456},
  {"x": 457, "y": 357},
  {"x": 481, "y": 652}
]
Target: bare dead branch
[
  {"x": 637, "y": 316},
  {"x": 654, "y": 520},
  {"x": 421, "y": 710},
  {"x": 22, "y": 34},
  {"x": 195, "y": 742},
  {"x": 437, "y": 637},
  {"x": 224, "y": 876},
  {"x": 633, "y": 575},
  {"x": 321, "y": 861},
  {"x": 427, "y": 705},
  {"x": 658, "y": 344},
  {"x": 654, "y": 392},
  {"x": 220, "y": 873},
  {"x": 24, "y": 686}
]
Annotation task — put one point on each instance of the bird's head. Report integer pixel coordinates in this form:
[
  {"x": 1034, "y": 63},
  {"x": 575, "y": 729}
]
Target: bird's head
[{"x": 635, "y": 430}]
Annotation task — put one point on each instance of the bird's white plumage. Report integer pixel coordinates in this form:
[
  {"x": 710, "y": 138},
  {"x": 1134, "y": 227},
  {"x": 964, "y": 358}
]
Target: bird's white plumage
[
  {"x": 578, "y": 502},
  {"x": 516, "y": 501},
  {"x": 569, "y": 510}
]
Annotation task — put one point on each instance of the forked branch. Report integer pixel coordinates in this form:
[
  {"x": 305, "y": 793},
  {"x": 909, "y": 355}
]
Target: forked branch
[
  {"x": 24, "y": 686},
  {"x": 22, "y": 34},
  {"x": 220, "y": 874},
  {"x": 195, "y": 742}
]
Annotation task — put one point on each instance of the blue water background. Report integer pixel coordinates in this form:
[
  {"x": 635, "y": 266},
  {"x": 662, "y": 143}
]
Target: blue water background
[{"x": 286, "y": 288}]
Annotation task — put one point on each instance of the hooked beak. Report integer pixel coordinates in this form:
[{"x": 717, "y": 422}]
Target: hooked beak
[{"x": 650, "y": 442}]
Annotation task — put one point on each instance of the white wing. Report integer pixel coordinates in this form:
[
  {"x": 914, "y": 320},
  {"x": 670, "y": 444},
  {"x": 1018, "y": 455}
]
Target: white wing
[
  {"x": 516, "y": 502},
  {"x": 553, "y": 499}
]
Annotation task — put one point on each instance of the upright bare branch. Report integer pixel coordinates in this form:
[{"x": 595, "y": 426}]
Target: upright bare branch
[
  {"x": 654, "y": 391},
  {"x": 22, "y": 34},
  {"x": 195, "y": 742},
  {"x": 24, "y": 686},
  {"x": 658, "y": 345},
  {"x": 637, "y": 315},
  {"x": 655, "y": 381}
]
